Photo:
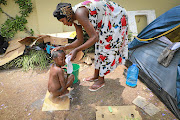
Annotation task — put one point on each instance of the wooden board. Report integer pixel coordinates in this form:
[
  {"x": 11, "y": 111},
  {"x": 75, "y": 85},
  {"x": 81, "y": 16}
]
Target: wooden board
[
  {"x": 117, "y": 113},
  {"x": 62, "y": 104}
]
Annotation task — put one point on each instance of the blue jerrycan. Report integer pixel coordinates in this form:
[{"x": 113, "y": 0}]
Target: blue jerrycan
[{"x": 132, "y": 75}]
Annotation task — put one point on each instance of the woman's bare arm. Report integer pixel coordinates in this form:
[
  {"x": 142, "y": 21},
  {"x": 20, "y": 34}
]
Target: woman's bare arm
[
  {"x": 82, "y": 17},
  {"x": 79, "y": 40}
]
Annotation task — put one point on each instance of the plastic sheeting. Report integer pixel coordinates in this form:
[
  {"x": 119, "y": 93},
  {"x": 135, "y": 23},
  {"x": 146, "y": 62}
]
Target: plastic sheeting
[
  {"x": 146, "y": 59},
  {"x": 163, "y": 81},
  {"x": 167, "y": 21},
  {"x": 178, "y": 85}
]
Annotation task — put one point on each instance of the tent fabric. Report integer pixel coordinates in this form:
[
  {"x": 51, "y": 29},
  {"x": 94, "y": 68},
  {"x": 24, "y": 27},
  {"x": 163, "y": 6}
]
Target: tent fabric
[
  {"x": 161, "y": 80},
  {"x": 146, "y": 58},
  {"x": 144, "y": 51},
  {"x": 162, "y": 25},
  {"x": 178, "y": 85},
  {"x": 169, "y": 101}
]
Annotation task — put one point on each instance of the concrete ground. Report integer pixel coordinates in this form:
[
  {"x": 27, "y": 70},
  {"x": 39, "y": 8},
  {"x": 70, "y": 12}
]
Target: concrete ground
[{"x": 22, "y": 96}]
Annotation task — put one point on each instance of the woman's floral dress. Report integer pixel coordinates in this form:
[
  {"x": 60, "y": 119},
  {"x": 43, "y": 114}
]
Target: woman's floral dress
[{"x": 110, "y": 20}]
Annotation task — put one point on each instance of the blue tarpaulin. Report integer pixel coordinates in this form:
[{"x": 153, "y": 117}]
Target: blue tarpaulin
[
  {"x": 178, "y": 84},
  {"x": 162, "y": 25},
  {"x": 166, "y": 79}
]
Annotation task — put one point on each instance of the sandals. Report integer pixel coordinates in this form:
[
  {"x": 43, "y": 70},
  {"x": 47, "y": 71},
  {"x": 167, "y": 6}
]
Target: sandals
[{"x": 99, "y": 86}]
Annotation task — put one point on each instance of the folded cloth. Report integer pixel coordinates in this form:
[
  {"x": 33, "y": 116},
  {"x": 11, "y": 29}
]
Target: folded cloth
[
  {"x": 69, "y": 64},
  {"x": 165, "y": 40},
  {"x": 175, "y": 46},
  {"x": 167, "y": 55}
]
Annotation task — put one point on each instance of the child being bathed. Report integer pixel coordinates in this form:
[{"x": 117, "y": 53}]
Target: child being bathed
[{"x": 59, "y": 81}]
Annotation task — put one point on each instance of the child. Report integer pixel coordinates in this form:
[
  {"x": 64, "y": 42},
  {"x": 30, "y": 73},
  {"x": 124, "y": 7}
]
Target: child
[{"x": 59, "y": 81}]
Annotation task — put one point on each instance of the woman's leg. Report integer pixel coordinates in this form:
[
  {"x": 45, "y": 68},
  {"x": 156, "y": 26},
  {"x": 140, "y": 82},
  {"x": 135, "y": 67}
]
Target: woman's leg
[
  {"x": 100, "y": 81},
  {"x": 94, "y": 77},
  {"x": 97, "y": 84}
]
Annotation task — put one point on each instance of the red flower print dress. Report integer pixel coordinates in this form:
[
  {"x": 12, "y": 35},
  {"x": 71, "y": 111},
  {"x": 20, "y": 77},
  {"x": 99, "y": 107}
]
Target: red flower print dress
[{"x": 110, "y": 20}]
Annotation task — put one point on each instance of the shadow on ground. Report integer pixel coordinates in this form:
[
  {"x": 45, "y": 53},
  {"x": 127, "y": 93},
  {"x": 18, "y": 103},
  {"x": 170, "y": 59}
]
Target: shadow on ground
[{"x": 85, "y": 101}]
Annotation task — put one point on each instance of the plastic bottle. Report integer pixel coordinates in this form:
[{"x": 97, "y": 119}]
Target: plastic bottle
[{"x": 132, "y": 75}]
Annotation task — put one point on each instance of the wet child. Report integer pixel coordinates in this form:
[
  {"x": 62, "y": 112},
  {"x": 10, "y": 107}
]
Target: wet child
[{"x": 59, "y": 81}]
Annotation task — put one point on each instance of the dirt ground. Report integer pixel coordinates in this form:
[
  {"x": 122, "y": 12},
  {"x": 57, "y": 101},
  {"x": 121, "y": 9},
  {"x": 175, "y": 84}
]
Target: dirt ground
[{"x": 22, "y": 95}]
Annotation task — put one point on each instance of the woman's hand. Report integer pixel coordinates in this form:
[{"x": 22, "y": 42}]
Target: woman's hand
[
  {"x": 58, "y": 48},
  {"x": 73, "y": 54}
]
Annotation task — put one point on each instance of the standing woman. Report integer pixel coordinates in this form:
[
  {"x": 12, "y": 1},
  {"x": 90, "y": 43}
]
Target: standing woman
[{"x": 107, "y": 27}]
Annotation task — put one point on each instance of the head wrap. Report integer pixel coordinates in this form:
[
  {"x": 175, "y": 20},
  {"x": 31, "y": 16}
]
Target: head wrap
[{"x": 63, "y": 10}]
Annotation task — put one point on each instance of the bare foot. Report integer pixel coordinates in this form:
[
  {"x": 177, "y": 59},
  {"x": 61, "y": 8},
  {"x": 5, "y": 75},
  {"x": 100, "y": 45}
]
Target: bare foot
[
  {"x": 64, "y": 94},
  {"x": 53, "y": 99},
  {"x": 57, "y": 99},
  {"x": 90, "y": 79}
]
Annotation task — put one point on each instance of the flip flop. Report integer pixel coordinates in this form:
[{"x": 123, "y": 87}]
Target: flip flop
[
  {"x": 90, "y": 80},
  {"x": 100, "y": 86}
]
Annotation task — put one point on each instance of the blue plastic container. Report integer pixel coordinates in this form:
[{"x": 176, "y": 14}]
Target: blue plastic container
[
  {"x": 49, "y": 48},
  {"x": 132, "y": 75}
]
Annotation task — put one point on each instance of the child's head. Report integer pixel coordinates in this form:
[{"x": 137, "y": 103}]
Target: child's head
[{"x": 58, "y": 57}]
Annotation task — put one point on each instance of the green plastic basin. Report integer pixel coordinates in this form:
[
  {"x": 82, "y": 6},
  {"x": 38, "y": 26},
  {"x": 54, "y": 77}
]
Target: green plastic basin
[{"x": 75, "y": 71}]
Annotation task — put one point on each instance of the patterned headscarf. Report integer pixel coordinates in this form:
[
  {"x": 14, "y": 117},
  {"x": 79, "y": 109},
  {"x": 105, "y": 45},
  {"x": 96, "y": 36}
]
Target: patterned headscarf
[{"x": 63, "y": 10}]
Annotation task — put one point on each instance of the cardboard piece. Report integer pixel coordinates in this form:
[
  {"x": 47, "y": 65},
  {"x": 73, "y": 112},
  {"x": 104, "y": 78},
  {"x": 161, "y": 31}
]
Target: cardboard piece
[
  {"x": 69, "y": 35},
  {"x": 140, "y": 102},
  {"x": 62, "y": 104},
  {"x": 82, "y": 67},
  {"x": 14, "y": 50},
  {"x": 16, "y": 47},
  {"x": 59, "y": 38},
  {"x": 117, "y": 113},
  {"x": 12, "y": 55},
  {"x": 87, "y": 60},
  {"x": 29, "y": 41},
  {"x": 55, "y": 40},
  {"x": 78, "y": 56},
  {"x": 149, "y": 108}
]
